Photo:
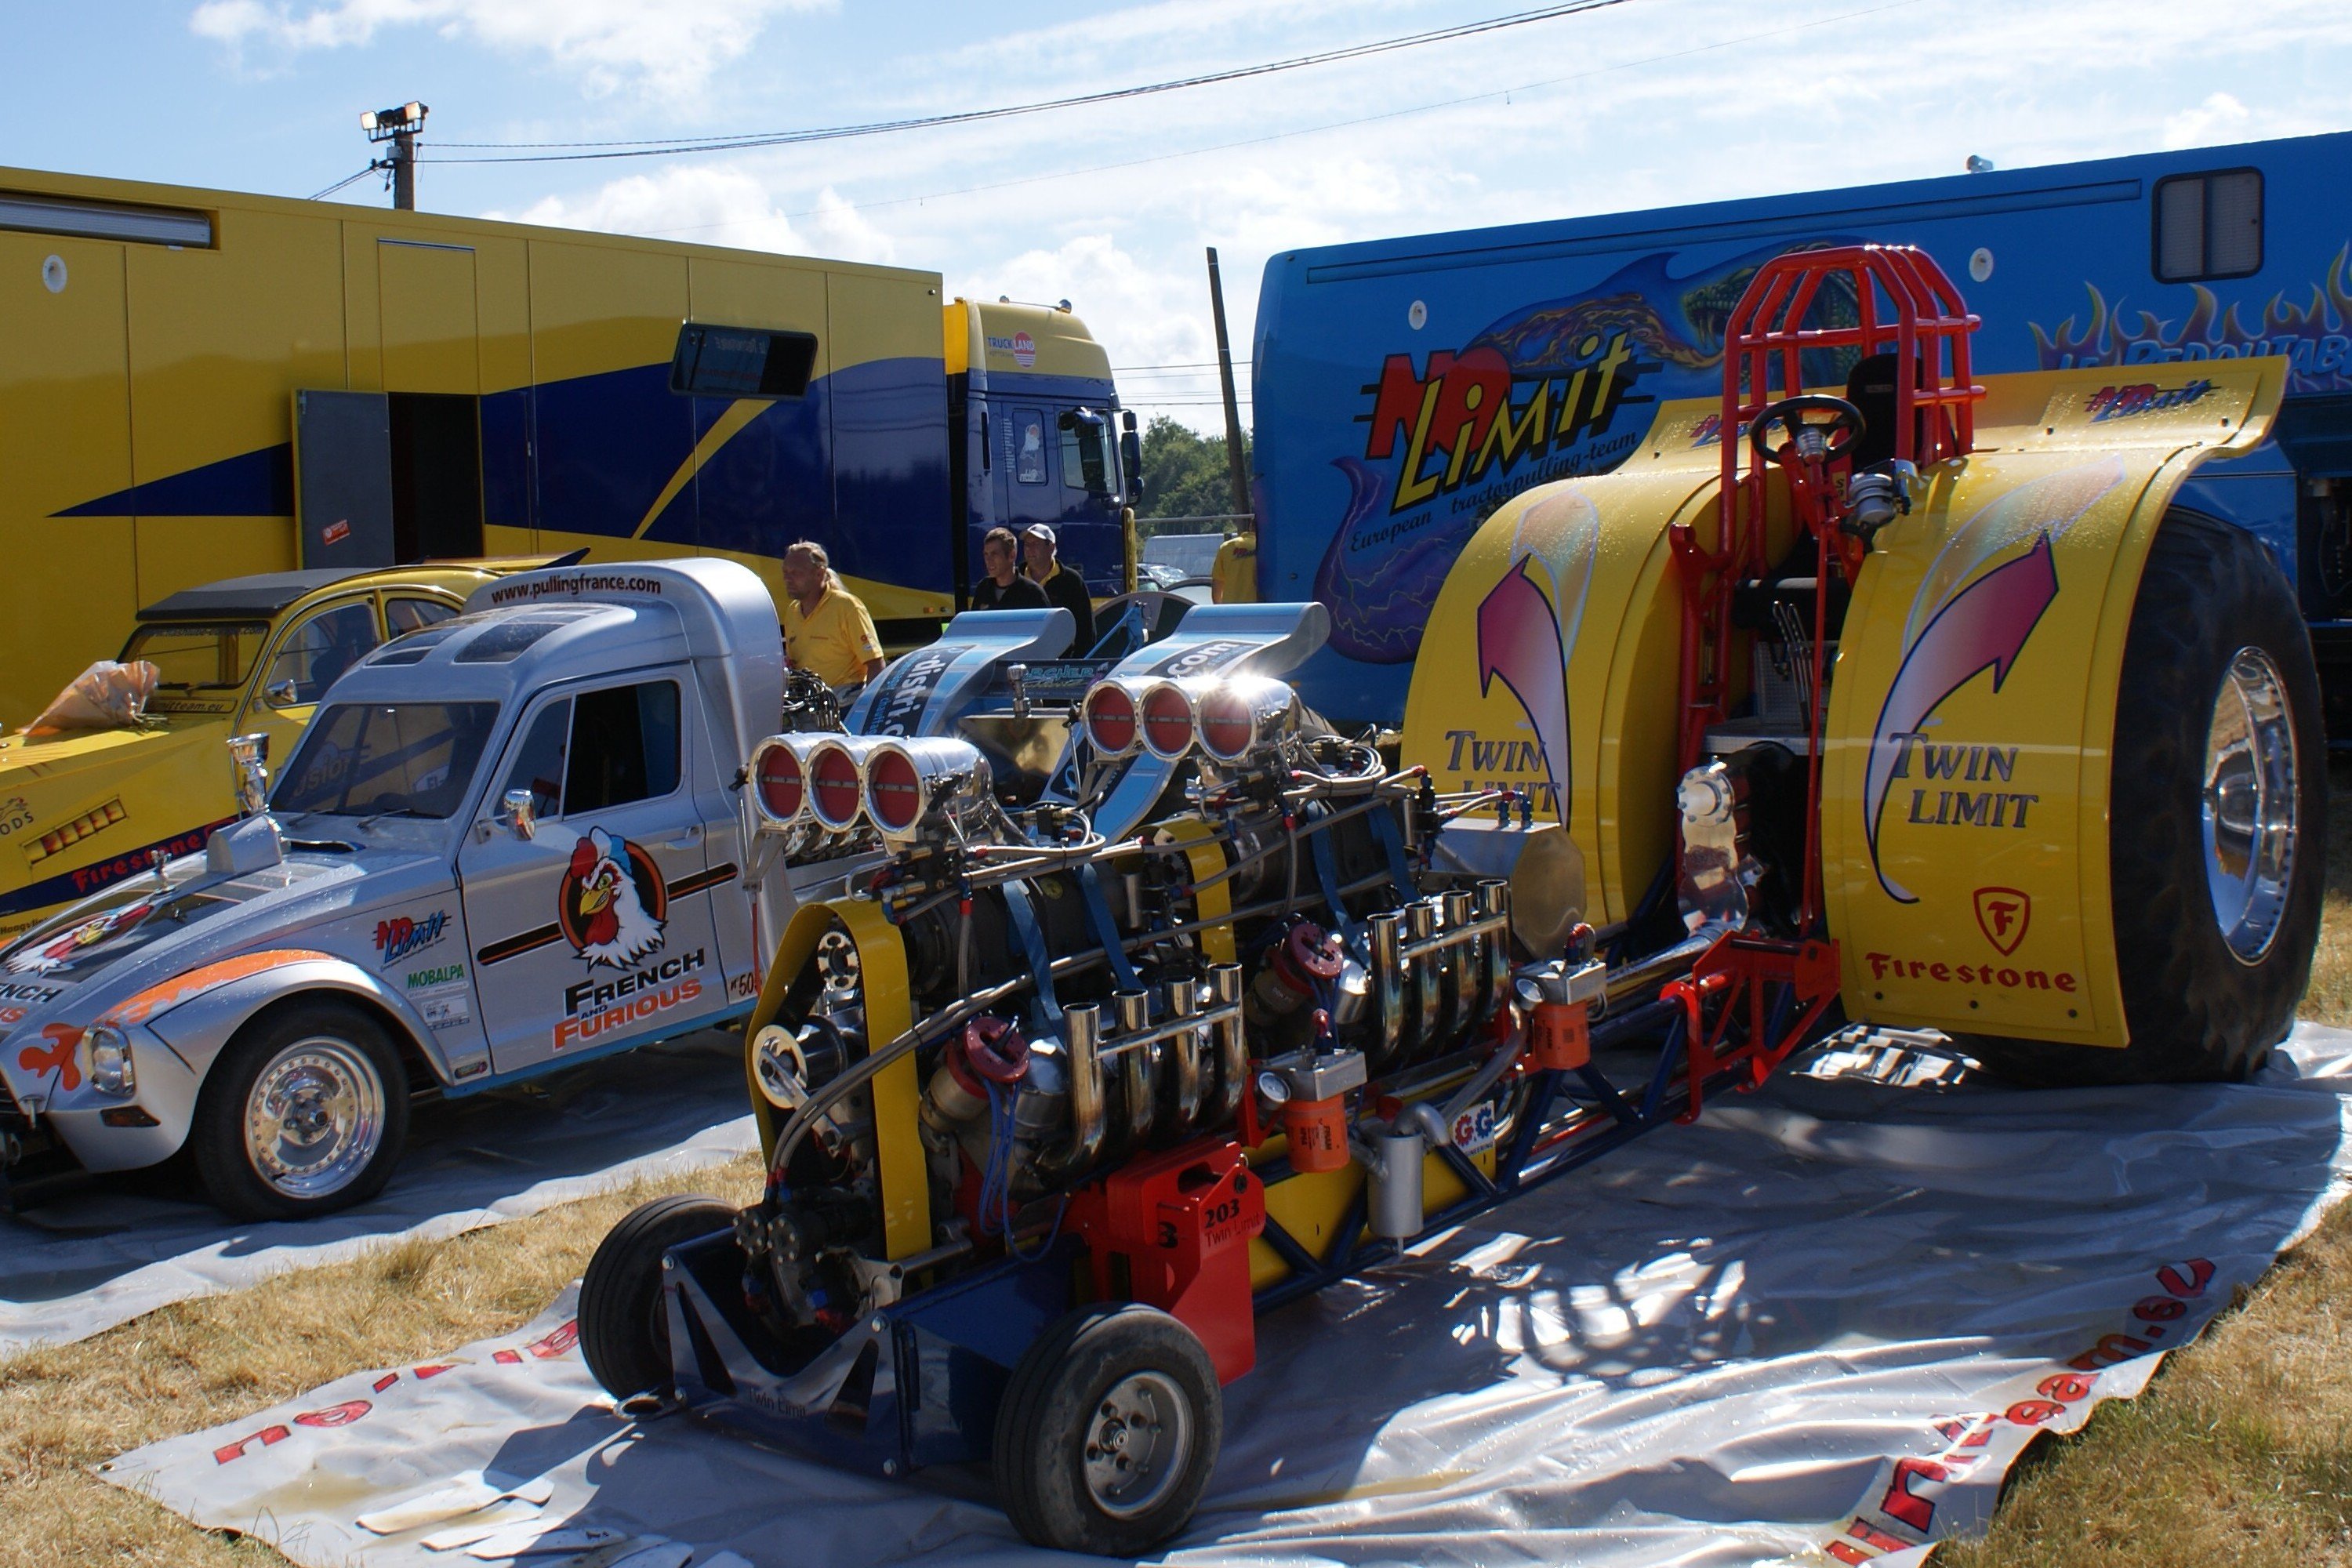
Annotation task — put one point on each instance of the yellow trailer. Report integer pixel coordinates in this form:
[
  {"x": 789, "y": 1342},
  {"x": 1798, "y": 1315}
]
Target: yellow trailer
[{"x": 201, "y": 383}]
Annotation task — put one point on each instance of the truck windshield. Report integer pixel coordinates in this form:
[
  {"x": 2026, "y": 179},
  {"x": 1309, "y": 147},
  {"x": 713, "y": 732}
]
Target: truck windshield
[
  {"x": 199, "y": 657},
  {"x": 407, "y": 759}
]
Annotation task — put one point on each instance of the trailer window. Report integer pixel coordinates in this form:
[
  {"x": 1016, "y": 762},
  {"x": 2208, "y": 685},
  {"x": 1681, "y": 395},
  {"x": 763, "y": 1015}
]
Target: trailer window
[
  {"x": 741, "y": 361},
  {"x": 2209, "y": 226}
]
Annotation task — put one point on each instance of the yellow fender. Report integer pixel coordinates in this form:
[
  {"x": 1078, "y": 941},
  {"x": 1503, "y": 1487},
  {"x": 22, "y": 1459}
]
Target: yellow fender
[
  {"x": 2086, "y": 460},
  {"x": 882, "y": 970}
]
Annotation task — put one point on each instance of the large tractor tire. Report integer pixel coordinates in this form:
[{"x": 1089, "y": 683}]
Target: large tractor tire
[{"x": 2217, "y": 822}]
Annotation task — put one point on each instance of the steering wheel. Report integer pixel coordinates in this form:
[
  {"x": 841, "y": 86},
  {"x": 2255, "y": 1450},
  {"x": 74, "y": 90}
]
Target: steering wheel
[{"x": 1829, "y": 438}]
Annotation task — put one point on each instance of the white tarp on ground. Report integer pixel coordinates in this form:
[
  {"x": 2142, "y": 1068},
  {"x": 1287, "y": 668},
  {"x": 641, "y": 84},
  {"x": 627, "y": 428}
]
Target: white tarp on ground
[
  {"x": 1824, "y": 1320},
  {"x": 116, "y": 1249}
]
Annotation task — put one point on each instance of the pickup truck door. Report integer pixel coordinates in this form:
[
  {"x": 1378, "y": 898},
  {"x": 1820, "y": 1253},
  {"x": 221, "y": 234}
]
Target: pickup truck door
[{"x": 596, "y": 932}]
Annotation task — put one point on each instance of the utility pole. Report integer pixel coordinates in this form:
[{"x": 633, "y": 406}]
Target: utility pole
[
  {"x": 1235, "y": 463},
  {"x": 399, "y": 125}
]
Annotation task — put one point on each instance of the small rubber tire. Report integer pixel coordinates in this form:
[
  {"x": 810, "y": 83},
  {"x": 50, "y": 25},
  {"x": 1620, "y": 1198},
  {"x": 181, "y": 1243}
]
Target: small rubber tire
[
  {"x": 624, "y": 1325},
  {"x": 2196, "y": 1012},
  {"x": 1052, "y": 1405},
  {"x": 357, "y": 1043}
]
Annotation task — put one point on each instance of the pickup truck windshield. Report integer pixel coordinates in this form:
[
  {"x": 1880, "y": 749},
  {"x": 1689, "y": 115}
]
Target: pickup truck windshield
[
  {"x": 359, "y": 759},
  {"x": 213, "y": 658}
]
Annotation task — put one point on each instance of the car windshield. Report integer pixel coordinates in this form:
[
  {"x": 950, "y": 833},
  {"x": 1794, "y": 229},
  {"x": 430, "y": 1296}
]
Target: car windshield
[
  {"x": 366, "y": 759},
  {"x": 213, "y": 658}
]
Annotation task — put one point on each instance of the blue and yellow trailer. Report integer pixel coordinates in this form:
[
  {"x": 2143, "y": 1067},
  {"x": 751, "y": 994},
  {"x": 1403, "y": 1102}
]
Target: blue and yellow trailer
[{"x": 197, "y": 385}]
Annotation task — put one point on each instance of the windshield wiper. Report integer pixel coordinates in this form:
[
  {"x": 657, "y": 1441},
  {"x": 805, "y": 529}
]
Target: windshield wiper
[{"x": 373, "y": 818}]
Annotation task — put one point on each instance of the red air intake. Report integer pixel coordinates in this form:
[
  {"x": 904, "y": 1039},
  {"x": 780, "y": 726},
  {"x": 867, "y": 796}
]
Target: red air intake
[
  {"x": 1110, "y": 718},
  {"x": 784, "y": 788},
  {"x": 893, "y": 794},
  {"x": 836, "y": 791},
  {"x": 1168, "y": 721}
]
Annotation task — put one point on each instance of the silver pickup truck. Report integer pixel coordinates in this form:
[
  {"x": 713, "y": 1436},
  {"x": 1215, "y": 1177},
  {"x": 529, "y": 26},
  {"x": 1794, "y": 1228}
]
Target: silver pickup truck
[{"x": 506, "y": 843}]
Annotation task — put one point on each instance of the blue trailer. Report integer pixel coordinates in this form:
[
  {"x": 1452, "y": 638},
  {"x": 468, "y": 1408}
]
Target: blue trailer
[{"x": 1405, "y": 388}]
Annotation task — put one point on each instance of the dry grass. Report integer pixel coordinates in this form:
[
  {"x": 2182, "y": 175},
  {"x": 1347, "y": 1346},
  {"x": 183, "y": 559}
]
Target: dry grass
[
  {"x": 2240, "y": 1450},
  {"x": 2238, "y": 1453},
  {"x": 201, "y": 1363},
  {"x": 2328, "y": 1000}
]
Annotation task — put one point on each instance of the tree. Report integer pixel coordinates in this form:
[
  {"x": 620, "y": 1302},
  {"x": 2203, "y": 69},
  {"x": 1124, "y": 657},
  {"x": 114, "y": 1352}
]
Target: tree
[{"x": 1184, "y": 474}]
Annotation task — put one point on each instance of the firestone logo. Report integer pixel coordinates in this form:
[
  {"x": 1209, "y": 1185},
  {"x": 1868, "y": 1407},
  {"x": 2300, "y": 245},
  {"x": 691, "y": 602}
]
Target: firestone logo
[{"x": 2003, "y": 914}]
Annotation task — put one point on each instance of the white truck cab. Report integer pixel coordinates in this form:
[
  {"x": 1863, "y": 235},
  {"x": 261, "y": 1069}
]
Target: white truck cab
[{"x": 506, "y": 842}]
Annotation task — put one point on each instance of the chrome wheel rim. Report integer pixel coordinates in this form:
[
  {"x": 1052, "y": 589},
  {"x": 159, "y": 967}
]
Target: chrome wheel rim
[
  {"x": 2249, "y": 804},
  {"x": 314, "y": 1118},
  {"x": 1138, "y": 1440}
]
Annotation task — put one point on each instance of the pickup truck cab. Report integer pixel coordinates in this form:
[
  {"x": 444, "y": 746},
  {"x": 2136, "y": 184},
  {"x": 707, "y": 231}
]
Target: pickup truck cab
[
  {"x": 244, "y": 655},
  {"x": 506, "y": 842}
]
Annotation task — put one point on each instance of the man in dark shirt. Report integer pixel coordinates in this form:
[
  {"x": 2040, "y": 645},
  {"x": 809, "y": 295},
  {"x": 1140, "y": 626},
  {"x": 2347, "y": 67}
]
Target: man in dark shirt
[
  {"x": 1005, "y": 588},
  {"x": 1061, "y": 585}
]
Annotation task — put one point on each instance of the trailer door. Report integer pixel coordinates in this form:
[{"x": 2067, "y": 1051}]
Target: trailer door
[{"x": 343, "y": 478}]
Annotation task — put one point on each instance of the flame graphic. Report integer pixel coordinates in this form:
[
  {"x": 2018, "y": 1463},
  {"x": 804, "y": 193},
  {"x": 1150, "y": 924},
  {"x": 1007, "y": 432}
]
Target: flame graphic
[{"x": 2211, "y": 330}]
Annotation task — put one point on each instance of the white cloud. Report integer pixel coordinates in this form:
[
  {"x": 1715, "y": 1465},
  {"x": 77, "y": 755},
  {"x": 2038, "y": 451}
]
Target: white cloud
[
  {"x": 714, "y": 205},
  {"x": 2220, "y": 117},
  {"x": 677, "y": 203},
  {"x": 668, "y": 50}
]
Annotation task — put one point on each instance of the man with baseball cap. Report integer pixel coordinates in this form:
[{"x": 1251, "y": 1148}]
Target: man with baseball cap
[{"x": 1061, "y": 585}]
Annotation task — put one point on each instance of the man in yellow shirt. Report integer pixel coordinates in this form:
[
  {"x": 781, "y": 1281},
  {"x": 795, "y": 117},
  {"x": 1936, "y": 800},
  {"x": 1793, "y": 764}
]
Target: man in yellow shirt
[
  {"x": 1233, "y": 580},
  {"x": 825, "y": 628}
]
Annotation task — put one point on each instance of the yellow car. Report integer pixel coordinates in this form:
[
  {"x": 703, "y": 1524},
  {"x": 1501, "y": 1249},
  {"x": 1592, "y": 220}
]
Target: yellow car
[{"x": 244, "y": 656}]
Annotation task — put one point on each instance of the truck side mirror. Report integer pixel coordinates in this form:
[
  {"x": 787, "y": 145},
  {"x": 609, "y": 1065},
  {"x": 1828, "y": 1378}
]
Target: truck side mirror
[
  {"x": 519, "y": 812},
  {"x": 248, "y": 760},
  {"x": 1130, "y": 457}
]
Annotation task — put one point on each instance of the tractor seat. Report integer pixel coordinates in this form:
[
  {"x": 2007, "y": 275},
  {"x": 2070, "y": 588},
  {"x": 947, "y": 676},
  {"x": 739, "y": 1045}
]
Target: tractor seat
[{"x": 1871, "y": 389}]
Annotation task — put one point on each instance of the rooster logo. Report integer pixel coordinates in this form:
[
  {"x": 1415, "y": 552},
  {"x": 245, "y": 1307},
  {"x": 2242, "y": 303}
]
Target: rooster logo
[
  {"x": 57, "y": 954},
  {"x": 613, "y": 903}
]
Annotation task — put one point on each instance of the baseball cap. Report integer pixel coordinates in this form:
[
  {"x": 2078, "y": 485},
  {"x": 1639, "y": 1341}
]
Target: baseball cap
[{"x": 1044, "y": 531}]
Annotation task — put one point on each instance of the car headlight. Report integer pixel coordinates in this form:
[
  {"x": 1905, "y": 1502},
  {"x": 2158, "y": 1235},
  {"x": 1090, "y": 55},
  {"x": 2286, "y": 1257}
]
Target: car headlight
[{"x": 110, "y": 1060}]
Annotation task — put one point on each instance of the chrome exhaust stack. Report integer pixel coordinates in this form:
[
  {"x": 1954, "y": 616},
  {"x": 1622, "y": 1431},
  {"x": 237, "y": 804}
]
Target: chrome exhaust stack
[
  {"x": 1082, "y": 1032},
  {"x": 1182, "y": 1001},
  {"x": 1137, "y": 1046},
  {"x": 1385, "y": 939},
  {"x": 1225, "y": 1020}
]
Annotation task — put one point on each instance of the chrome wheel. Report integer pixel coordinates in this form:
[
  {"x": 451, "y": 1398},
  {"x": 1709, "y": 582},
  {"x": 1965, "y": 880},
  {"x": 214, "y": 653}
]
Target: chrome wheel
[
  {"x": 1137, "y": 1444},
  {"x": 2250, "y": 803},
  {"x": 315, "y": 1118}
]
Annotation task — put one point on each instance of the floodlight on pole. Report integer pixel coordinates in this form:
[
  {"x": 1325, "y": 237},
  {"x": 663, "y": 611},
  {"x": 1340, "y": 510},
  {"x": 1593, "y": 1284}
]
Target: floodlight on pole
[{"x": 400, "y": 125}]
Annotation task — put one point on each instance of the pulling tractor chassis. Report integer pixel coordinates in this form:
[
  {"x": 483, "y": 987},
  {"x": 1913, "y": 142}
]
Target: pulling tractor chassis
[{"x": 1922, "y": 705}]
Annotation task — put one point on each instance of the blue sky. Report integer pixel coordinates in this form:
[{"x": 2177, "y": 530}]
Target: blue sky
[{"x": 1649, "y": 102}]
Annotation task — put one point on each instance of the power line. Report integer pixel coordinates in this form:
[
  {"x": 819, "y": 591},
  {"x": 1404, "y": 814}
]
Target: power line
[
  {"x": 339, "y": 184},
  {"x": 576, "y": 151},
  {"x": 1304, "y": 130}
]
